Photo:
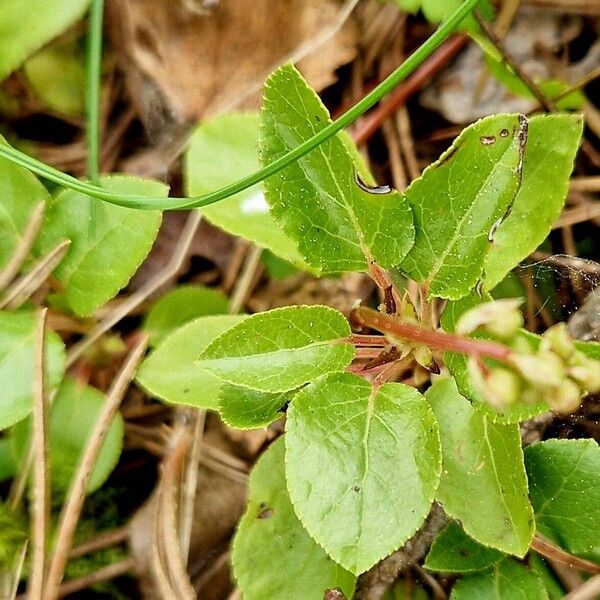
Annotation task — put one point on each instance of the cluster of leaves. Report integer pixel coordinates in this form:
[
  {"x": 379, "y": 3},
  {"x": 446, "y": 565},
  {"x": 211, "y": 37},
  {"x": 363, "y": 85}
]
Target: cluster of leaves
[{"x": 360, "y": 465}]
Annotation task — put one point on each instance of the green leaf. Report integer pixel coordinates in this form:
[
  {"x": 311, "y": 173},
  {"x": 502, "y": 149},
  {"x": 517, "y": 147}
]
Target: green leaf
[
  {"x": 508, "y": 580},
  {"x": 281, "y": 349},
  {"x": 21, "y": 193},
  {"x": 453, "y": 551},
  {"x": 483, "y": 481},
  {"x": 458, "y": 200},
  {"x": 56, "y": 75},
  {"x": 181, "y": 305},
  {"x": 336, "y": 225},
  {"x": 457, "y": 365},
  {"x": 221, "y": 151},
  {"x": 243, "y": 408},
  {"x": 274, "y": 558},
  {"x": 362, "y": 466},
  {"x": 8, "y": 464},
  {"x": 538, "y": 565},
  {"x": 73, "y": 415},
  {"x": 549, "y": 87},
  {"x": 171, "y": 372},
  {"x": 26, "y": 25},
  {"x": 108, "y": 242},
  {"x": 564, "y": 484},
  {"x": 546, "y": 170},
  {"x": 17, "y": 332}
]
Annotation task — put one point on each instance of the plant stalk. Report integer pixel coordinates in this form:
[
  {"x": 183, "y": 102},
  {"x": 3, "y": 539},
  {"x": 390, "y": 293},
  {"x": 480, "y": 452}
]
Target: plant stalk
[{"x": 438, "y": 340}]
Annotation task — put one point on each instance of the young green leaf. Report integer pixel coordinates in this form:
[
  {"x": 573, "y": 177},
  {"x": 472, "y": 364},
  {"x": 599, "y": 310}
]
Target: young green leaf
[
  {"x": 337, "y": 224},
  {"x": 73, "y": 415},
  {"x": 56, "y": 75},
  {"x": 546, "y": 167},
  {"x": 21, "y": 193},
  {"x": 273, "y": 555},
  {"x": 181, "y": 305},
  {"x": 8, "y": 464},
  {"x": 223, "y": 150},
  {"x": 171, "y": 372},
  {"x": 459, "y": 200},
  {"x": 108, "y": 243},
  {"x": 457, "y": 365},
  {"x": 243, "y": 408},
  {"x": 280, "y": 350},
  {"x": 483, "y": 481},
  {"x": 26, "y": 25},
  {"x": 453, "y": 551},
  {"x": 362, "y": 466},
  {"x": 17, "y": 331},
  {"x": 564, "y": 483},
  {"x": 507, "y": 580},
  {"x": 539, "y": 566}
]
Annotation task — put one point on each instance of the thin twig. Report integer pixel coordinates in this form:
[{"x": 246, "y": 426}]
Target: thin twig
[
  {"x": 135, "y": 299},
  {"x": 585, "y": 184},
  {"x": 40, "y": 506},
  {"x": 16, "y": 574},
  {"x": 107, "y": 573},
  {"x": 22, "y": 289},
  {"x": 588, "y": 591},
  {"x": 76, "y": 496},
  {"x": 422, "y": 75},
  {"x": 549, "y": 550},
  {"x": 100, "y": 542},
  {"x": 513, "y": 64},
  {"x": 190, "y": 485},
  {"x": 23, "y": 248},
  {"x": 579, "y": 214},
  {"x": 167, "y": 520},
  {"x": 243, "y": 283}
]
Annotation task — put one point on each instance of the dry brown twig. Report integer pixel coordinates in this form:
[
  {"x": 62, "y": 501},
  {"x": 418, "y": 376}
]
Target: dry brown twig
[
  {"x": 40, "y": 506},
  {"x": 23, "y": 287},
  {"x": 72, "y": 508}
]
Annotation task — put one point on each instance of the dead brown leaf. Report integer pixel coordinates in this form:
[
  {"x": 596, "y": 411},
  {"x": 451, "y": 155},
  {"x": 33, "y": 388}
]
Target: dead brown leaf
[{"x": 183, "y": 64}]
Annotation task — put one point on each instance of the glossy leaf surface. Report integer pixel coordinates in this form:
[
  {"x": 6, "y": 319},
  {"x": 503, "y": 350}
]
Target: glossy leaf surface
[
  {"x": 336, "y": 224},
  {"x": 108, "y": 243},
  {"x": 458, "y": 200},
  {"x": 171, "y": 372},
  {"x": 564, "y": 483},
  {"x": 483, "y": 481},
  {"x": 281, "y": 349},
  {"x": 362, "y": 466},
  {"x": 273, "y": 555}
]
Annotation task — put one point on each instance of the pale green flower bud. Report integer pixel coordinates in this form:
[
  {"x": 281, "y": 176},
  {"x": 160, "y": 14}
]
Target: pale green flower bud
[
  {"x": 586, "y": 373},
  {"x": 559, "y": 341},
  {"x": 502, "y": 318},
  {"x": 544, "y": 370},
  {"x": 502, "y": 388},
  {"x": 565, "y": 398}
]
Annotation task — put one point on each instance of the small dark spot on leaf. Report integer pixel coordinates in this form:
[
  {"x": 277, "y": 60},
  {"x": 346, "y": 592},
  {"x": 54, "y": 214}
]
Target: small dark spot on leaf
[
  {"x": 265, "y": 511},
  {"x": 186, "y": 391},
  {"x": 317, "y": 118},
  {"x": 487, "y": 140},
  {"x": 356, "y": 488},
  {"x": 464, "y": 552},
  {"x": 503, "y": 133}
]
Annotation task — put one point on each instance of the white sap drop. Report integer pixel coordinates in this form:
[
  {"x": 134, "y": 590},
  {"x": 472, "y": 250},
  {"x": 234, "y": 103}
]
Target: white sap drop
[{"x": 254, "y": 204}]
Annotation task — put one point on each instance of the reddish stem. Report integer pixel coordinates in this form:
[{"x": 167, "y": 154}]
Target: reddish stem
[
  {"x": 367, "y": 340},
  {"x": 439, "y": 340},
  {"x": 428, "y": 69}
]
